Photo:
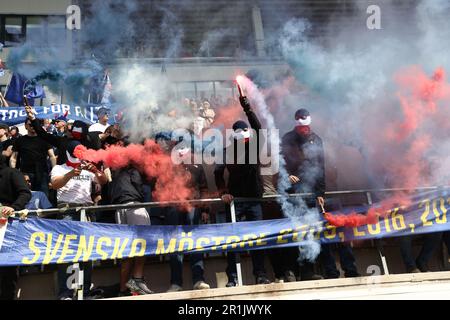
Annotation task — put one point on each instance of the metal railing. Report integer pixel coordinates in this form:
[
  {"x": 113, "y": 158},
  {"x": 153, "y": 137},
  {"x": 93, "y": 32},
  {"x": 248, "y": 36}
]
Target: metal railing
[
  {"x": 85, "y": 209},
  {"x": 367, "y": 192}
]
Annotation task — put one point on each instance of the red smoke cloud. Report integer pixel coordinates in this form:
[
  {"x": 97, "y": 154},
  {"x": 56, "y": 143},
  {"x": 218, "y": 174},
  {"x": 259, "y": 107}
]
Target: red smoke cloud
[
  {"x": 421, "y": 100},
  {"x": 400, "y": 149},
  {"x": 419, "y": 97},
  {"x": 227, "y": 115},
  {"x": 171, "y": 180}
]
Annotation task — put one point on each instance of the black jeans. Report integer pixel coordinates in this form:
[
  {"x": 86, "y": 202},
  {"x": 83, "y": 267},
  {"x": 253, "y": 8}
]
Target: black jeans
[
  {"x": 8, "y": 282},
  {"x": 175, "y": 217},
  {"x": 446, "y": 239},
  {"x": 63, "y": 289},
  {"x": 306, "y": 266},
  {"x": 248, "y": 211},
  {"x": 430, "y": 243},
  {"x": 283, "y": 260},
  {"x": 346, "y": 257}
]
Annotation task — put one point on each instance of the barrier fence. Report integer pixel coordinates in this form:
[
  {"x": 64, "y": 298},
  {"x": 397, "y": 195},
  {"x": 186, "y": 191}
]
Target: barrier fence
[{"x": 368, "y": 193}]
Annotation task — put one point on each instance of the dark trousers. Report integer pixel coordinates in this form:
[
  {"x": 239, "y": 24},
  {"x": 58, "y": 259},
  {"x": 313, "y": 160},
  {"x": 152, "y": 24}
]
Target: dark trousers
[
  {"x": 346, "y": 257},
  {"x": 246, "y": 211},
  {"x": 431, "y": 242},
  {"x": 175, "y": 217},
  {"x": 306, "y": 266},
  {"x": 63, "y": 289},
  {"x": 446, "y": 239},
  {"x": 283, "y": 260},
  {"x": 8, "y": 282}
]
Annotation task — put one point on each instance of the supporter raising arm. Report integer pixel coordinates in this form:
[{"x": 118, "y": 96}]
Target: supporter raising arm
[
  {"x": 78, "y": 132},
  {"x": 244, "y": 180}
]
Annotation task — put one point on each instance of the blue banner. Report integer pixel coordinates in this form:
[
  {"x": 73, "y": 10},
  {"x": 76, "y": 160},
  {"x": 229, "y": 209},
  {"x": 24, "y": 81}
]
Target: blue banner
[
  {"x": 17, "y": 115},
  {"x": 44, "y": 241}
]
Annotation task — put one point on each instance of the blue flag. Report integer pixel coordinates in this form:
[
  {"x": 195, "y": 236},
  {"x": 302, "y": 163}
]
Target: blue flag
[{"x": 20, "y": 86}]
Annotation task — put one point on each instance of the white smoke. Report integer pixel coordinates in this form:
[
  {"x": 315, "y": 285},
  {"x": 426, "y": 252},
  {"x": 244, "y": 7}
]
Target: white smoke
[
  {"x": 293, "y": 208},
  {"x": 353, "y": 70},
  {"x": 150, "y": 102}
]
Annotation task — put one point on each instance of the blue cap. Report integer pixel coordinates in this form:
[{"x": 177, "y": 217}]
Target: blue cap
[
  {"x": 301, "y": 113},
  {"x": 102, "y": 111},
  {"x": 240, "y": 125}
]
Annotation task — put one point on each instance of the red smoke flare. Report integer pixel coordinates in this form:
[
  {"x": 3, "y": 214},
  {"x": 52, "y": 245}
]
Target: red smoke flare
[
  {"x": 238, "y": 79},
  {"x": 373, "y": 214},
  {"x": 171, "y": 181}
]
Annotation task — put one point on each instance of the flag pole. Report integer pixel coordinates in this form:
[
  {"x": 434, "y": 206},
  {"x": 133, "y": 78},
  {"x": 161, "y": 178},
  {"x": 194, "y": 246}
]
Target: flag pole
[
  {"x": 3, "y": 100},
  {"x": 25, "y": 100}
]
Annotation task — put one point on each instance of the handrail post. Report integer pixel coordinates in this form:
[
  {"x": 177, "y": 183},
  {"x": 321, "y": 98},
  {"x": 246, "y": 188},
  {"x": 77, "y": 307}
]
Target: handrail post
[
  {"x": 378, "y": 242},
  {"x": 80, "y": 280},
  {"x": 238, "y": 256}
]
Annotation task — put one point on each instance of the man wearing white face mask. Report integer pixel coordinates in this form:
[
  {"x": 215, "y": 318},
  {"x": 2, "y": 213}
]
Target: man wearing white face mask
[
  {"x": 244, "y": 180},
  {"x": 304, "y": 154},
  {"x": 198, "y": 214},
  {"x": 303, "y": 151}
]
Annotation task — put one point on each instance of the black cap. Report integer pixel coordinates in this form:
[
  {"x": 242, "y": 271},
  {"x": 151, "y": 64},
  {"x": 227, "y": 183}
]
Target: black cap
[
  {"x": 240, "y": 125},
  {"x": 301, "y": 113},
  {"x": 71, "y": 145}
]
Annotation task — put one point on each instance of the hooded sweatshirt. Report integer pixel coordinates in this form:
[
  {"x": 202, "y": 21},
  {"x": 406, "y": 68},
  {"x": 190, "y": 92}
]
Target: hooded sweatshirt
[{"x": 14, "y": 191}]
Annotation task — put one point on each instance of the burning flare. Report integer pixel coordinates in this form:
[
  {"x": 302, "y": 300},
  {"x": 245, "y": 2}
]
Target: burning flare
[
  {"x": 373, "y": 214},
  {"x": 238, "y": 81}
]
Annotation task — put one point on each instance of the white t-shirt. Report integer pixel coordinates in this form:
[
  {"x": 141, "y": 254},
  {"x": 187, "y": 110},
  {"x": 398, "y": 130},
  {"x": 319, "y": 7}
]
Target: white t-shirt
[
  {"x": 98, "y": 127},
  {"x": 78, "y": 189}
]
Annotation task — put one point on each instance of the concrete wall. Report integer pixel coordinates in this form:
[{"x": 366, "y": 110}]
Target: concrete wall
[
  {"x": 200, "y": 70},
  {"x": 42, "y": 285},
  {"x": 43, "y": 7},
  {"x": 35, "y": 7},
  {"x": 177, "y": 72}
]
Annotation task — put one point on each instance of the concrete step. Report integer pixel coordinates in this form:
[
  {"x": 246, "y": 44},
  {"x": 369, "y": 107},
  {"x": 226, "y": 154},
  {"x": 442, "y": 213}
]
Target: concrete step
[{"x": 428, "y": 286}]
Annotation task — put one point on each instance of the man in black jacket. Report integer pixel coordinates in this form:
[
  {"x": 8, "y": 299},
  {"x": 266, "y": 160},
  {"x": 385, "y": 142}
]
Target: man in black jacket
[
  {"x": 126, "y": 187},
  {"x": 184, "y": 153},
  {"x": 14, "y": 196},
  {"x": 244, "y": 180},
  {"x": 303, "y": 152}
]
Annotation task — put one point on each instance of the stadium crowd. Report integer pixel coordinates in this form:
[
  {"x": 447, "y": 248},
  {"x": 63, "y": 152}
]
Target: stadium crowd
[{"x": 39, "y": 170}]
